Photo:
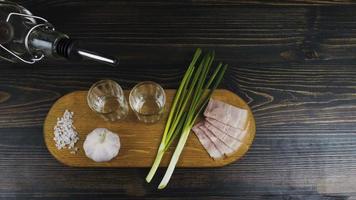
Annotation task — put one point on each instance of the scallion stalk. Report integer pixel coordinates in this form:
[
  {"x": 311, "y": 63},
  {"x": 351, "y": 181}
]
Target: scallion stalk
[
  {"x": 176, "y": 101},
  {"x": 188, "y": 103},
  {"x": 189, "y": 123}
]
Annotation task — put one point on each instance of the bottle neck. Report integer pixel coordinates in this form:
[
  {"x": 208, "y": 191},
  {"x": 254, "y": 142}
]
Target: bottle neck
[
  {"x": 28, "y": 38},
  {"x": 43, "y": 40}
]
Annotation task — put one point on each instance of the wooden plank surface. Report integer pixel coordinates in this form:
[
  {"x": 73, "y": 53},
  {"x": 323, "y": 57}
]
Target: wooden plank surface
[
  {"x": 294, "y": 65},
  {"x": 139, "y": 141}
]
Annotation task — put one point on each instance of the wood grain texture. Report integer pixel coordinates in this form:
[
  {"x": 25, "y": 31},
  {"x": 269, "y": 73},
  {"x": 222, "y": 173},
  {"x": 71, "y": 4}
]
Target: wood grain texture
[
  {"x": 294, "y": 66},
  {"x": 139, "y": 141},
  {"x": 210, "y": 2}
]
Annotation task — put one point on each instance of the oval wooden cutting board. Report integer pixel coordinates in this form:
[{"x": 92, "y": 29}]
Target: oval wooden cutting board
[{"x": 139, "y": 141}]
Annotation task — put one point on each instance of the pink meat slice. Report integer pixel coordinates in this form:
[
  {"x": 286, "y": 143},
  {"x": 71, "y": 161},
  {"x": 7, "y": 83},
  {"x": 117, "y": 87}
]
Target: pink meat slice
[
  {"x": 232, "y": 142},
  {"x": 207, "y": 143},
  {"x": 227, "y": 114},
  {"x": 229, "y": 130},
  {"x": 218, "y": 142}
]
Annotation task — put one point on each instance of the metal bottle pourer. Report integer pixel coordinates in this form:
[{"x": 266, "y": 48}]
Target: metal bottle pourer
[
  {"x": 72, "y": 50},
  {"x": 29, "y": 39}
]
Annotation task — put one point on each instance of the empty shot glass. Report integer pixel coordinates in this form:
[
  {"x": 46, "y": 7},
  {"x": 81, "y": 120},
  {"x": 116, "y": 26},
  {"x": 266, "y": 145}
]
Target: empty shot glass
[
  {"x": 107, "y": 99},
  {"x": 147, "y": 100}
]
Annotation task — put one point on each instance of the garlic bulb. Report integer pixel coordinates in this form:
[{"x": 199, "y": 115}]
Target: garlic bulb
[{"x": 101, "y": 145}]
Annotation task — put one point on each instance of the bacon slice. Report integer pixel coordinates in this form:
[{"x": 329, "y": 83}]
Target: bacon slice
[
  {"x": 227, "y": 114},
  {"x": 220, "y": 145},
  {"x": 229, "y": 130},
  {"x": 224, "y": 131},
  {"x": 209, "y": 146},
  {"x": 232, "y": 142}
]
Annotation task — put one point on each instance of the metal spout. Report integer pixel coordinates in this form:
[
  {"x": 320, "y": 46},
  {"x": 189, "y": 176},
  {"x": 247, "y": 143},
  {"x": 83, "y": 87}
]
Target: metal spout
[{"x": 110, "y": 60}]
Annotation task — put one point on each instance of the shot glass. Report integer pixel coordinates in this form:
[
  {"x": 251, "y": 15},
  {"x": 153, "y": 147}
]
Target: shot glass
[
  {"x": 107, "y": 99},
  {"x": 147, "y": 100}
]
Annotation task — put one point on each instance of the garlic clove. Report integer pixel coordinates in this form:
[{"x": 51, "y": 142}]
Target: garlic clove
[{"x": 101, "y": 145}]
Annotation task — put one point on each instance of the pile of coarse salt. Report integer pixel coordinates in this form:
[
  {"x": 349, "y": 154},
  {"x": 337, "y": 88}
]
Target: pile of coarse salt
[{"x": 65, "y": 134}]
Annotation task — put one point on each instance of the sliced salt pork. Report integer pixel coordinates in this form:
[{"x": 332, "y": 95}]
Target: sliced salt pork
[
  {"x": 207, "y": 143},
  {"x": 227, "y": 114},
  {"x": 231, "y": 131},
  {"x": 218, "y": 142},
  {"x": 233, "y": 143}
]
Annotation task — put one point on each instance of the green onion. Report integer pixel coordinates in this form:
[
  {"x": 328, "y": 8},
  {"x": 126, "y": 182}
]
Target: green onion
[
  {"x": 189, "y": 101},
  {"x": 173, "y": 114}
]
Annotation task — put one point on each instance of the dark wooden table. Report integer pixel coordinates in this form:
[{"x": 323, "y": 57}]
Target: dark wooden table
[{"x": 292, "y": 61}]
